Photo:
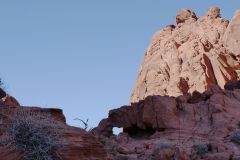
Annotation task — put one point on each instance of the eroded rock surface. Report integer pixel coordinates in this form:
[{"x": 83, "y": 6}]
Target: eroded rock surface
[
  {"x": 192, "y": 126},
  {"x": 76, "y": 143},
  {"x": 231, "y": 37},
  {"x": 186, "y": 102},
  {"x": 193, "y": 55}
]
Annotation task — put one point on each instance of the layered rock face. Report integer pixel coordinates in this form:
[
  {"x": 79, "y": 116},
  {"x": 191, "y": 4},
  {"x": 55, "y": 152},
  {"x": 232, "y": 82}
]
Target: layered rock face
[
  {"x": 75, "y": 143},
  {"x": 189, "y": 127},
  {"x": 28, "y": 133},
  {"x": 193, "y": 55}
]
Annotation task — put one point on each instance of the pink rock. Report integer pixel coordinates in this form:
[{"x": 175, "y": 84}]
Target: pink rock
[
  {"x": 231, "y": 38},
  {"x": 194, "y": 55},
  {"x": 213, "y": 12},
  {"x": 184, "y": 15}
]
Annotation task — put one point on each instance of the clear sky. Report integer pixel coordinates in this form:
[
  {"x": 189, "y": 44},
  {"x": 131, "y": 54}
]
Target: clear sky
[{"x": 82, "y": 55}]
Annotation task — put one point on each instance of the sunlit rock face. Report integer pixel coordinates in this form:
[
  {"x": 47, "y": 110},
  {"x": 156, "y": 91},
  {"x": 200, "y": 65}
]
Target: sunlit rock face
[
  {"x": 191, "y": 55},
  {"x": 186, "y": 102}
]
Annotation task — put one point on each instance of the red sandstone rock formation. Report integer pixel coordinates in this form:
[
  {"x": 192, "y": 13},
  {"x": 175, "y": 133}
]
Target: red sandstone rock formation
[
  {"x": 191, "y": 61},
  {"x": 179, "y": 109},
  {"x": 194, "y": 54},
  {"x": 198, "y": 126},
  {"x": 76, "y": 144},
  {"x": 7, "y": 100}
]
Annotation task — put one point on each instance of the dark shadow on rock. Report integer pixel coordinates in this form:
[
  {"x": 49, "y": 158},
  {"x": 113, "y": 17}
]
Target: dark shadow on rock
[
  {"x": 2, "y": 93},
  {"x": 232, "y": 85},
  {"x": 138, "y": 133}
]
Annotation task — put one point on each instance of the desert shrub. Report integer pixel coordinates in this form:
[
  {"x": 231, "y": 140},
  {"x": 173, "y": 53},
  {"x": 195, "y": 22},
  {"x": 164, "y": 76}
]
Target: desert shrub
[
  {"x": 201, "y": 148},
  {"x": 235, "y": 137},
  {"x": 36, "y": 134},
  {"x": 165, "y": 144}
]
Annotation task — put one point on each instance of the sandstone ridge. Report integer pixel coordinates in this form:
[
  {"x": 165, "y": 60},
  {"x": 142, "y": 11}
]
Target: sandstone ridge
[{"x": 75, "y": 143}]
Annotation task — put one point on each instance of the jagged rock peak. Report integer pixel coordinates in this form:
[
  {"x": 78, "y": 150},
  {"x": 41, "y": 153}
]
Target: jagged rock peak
[
  {"x": 213, "y": 12},
  {"x": 193, "y": 55},
  {"x": 184, "y": 15}
]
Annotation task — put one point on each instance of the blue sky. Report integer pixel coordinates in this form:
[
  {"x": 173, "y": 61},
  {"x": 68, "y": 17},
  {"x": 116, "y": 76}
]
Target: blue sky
[{"x": 82, "y": 56}]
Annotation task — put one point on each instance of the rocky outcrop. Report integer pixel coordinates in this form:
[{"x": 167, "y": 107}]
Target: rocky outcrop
[
  {"x": 193, "y": 55},
  {"x": 75, "y": 143},
  {"x": 186, "y": 102},
  {"x": 197, "y": 126},
  {"x": 7, "y": 100},
  {"x": 231, "y": 38}
]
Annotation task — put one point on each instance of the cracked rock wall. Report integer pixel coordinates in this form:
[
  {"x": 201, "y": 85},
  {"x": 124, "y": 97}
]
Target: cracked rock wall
[{"x": 193, "y": 55}]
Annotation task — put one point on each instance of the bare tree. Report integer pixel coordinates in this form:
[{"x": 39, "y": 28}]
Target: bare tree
[{"x": 85, "y": 123}]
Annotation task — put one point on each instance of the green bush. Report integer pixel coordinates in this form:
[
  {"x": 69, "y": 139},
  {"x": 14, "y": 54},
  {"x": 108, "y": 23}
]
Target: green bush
[{"x": 37, "y": 134}]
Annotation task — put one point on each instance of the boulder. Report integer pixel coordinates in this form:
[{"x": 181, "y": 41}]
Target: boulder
[
  {"x": 10, "y": 101},
  {"x": 184, "y": 15}
]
